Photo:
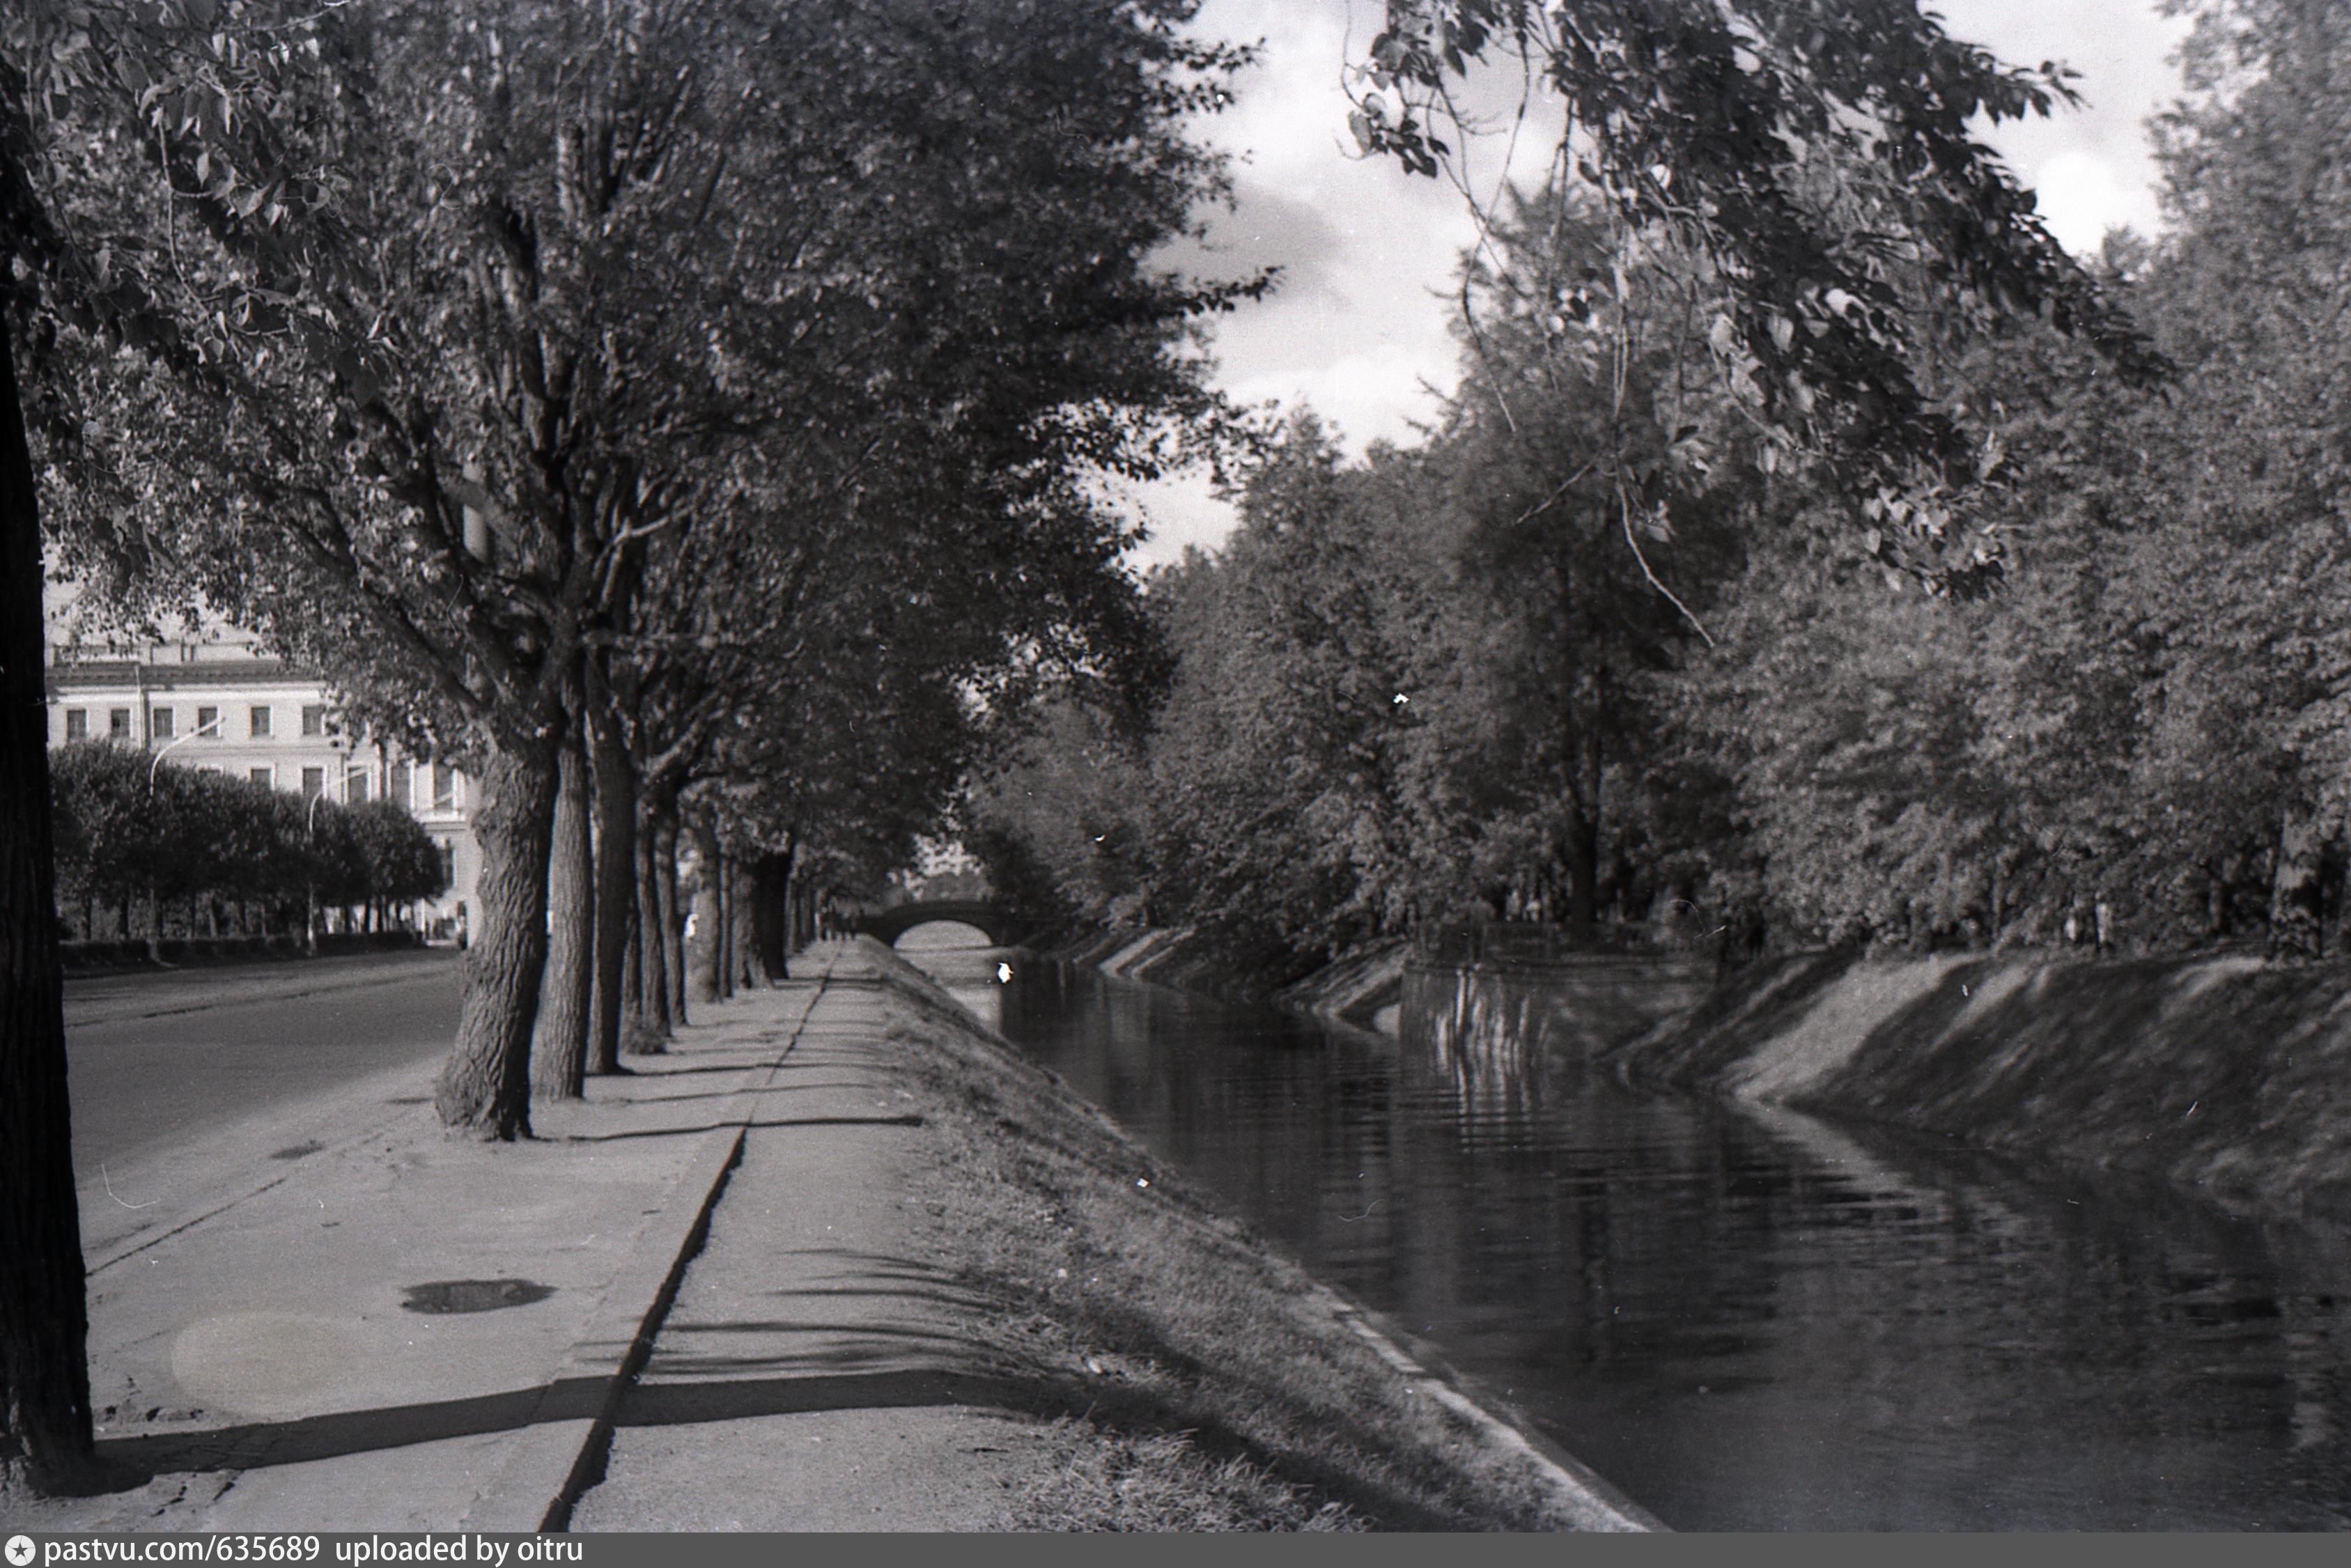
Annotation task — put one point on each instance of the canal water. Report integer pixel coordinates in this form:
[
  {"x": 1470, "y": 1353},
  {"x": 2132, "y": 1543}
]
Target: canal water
[{"x": 1753, "y": 1321}]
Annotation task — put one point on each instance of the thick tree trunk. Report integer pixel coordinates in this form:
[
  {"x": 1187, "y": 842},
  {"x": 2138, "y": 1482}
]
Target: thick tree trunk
[
  {"x": 485, "y": 1087},
  {"x": 616, "y": 871},
  {"x": 45, "y": 1443},
  {"x": 709, "y": 922},
  {"x": 672, "y": 929},
  {"x": 558, "y": 1067},
  {"x": 750, "y": 974}
]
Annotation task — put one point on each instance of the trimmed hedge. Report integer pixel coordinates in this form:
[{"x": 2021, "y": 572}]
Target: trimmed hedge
[{"x": 135, "y": 836}]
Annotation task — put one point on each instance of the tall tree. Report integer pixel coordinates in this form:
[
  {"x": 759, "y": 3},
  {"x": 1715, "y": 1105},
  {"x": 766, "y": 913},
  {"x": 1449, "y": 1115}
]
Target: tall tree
[
  {"x": 465, "y": 451},
  {"x": 140, "y": 71},
  {"x": 1821, "y": 155},
  {"x": 2251, "y": 294}
]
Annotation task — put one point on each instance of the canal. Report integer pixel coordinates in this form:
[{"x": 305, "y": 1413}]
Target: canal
[{"x": 1754, "y": 1321}]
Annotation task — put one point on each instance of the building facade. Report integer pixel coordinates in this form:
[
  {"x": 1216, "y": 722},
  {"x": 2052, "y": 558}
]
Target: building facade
[{"x": 217, "y": 701}]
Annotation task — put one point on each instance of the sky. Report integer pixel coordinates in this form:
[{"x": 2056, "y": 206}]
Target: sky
[{"x": 1357, "y": 327}]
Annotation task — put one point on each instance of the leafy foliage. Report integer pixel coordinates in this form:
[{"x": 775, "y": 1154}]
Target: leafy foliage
[
  {"x": 1817, "y": 160},
  {"x": 2133, "y": 731},
  {"x": 132, "y": 829}
]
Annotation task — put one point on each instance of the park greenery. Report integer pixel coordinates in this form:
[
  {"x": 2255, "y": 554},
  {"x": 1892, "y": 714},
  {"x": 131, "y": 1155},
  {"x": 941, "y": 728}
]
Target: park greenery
[
  {"x": 689, "y": 418},
  {"x": 1626, "y": 647},
  {"x": 148, "y": 851}
]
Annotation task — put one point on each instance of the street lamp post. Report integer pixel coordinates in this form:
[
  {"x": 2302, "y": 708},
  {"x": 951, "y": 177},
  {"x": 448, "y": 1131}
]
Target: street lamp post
[
  {"x": 154, "y": 897},
  {"x": 310, "y": 888},
  {"x": 211, "y": 728},
  {"x": 310, "y": 832}
]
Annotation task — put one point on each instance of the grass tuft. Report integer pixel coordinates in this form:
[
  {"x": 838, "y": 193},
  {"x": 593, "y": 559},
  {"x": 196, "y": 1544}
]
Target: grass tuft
[{"x": 1106, "y": 1480}]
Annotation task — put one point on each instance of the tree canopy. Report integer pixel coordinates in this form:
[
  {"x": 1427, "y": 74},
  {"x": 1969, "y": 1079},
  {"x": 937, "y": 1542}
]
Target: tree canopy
[
  {"x": 2130, "y": 729},
  {"x": 1812, "y": 166}
]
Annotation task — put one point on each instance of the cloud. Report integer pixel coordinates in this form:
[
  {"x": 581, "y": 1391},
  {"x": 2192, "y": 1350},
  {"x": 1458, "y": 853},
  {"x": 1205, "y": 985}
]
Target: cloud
[{"x": 2092, "y": 166}]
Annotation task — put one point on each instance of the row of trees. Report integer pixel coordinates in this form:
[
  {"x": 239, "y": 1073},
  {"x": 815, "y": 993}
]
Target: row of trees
[
  {"x": 1614, "y": 648},
  {"x": 684, "y": 416},
  {"x": 218, "y": 855},
  {"x": 688, "y": 400}
]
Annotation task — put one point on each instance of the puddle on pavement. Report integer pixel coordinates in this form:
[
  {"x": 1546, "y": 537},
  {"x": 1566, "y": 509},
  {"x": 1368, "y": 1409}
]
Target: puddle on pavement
[{"x": 474, "y": 1295}]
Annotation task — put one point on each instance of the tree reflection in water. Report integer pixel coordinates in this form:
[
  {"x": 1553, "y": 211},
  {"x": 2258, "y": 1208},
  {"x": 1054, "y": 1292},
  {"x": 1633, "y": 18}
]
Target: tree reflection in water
[{"x": 1749, "y": 1319}]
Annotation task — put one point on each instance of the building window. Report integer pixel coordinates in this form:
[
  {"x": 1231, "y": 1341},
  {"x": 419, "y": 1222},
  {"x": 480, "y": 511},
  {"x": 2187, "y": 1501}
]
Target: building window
[
  {"x": 314, "y": 783},
  {"x": 395, "y": 784},
  {"x": 265, "y": 777},
  {"x": 355, "y": 787},
  {"x": 448, "y": 866},
  {"x": 313, "y": 719},
  {"x": 76, "y": 724},
  {"x": 260, "y": 730},
  {"x": 159, "y": 723},
  {"x": 444, "y": 787},
  {"x": 208, "y": 722},
  {"x": 118, "y": 724}
]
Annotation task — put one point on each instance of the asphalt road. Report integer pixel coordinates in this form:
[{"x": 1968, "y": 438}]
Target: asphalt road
[{"x": 156, "y": 1061}]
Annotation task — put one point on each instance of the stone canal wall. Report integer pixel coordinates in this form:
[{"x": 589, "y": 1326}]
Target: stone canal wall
[
  {"x": 2225, "y": 1073},
  {"x": 1576, "y": 1006}
]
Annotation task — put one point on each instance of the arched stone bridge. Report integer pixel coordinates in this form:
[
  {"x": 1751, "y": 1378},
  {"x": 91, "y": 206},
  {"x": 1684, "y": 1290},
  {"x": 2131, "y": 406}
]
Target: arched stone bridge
[{"x": 889, "y": 924}]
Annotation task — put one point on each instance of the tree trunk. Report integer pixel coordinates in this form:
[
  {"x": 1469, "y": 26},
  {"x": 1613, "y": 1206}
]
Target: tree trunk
[
  {"x": 709, "y": 923},
  {"x": 771, "y": 881},
  {"x": 1581, "y": 851},
  {"x": 729, "y": 972},
  {"x": 672, "y": 930},
  {"x": 2294, "y": 890},
  {"x": 558, "y": 1067},
  {"x": 616, "y": 870},
  {"x": 485, "y": 1087},
  {"x": 632, "y": 978},
  {"x": 648, "y": 1032},
  {"x": 750, "y": 973},
  {"x": 801, "y": 930},
  {"x": 45, "y": 1443}
]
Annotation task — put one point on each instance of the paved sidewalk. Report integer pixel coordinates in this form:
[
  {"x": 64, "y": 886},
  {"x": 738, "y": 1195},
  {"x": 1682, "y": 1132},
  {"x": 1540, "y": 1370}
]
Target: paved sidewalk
[
  {"x": 814, "y": 1374},
  {"x": 250, "y": 1348}
]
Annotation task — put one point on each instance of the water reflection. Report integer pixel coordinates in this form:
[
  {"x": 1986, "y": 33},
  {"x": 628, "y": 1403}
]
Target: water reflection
[{"x": 1756, "y": 1319}]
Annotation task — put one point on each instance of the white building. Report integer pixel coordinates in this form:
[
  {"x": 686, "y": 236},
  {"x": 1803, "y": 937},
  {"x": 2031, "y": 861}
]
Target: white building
[{"x": 213, "y": 699}]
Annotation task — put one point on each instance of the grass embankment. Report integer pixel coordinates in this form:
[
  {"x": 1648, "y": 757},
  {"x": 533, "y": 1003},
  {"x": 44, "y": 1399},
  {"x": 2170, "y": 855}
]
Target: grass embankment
[
  {"x": 1220, "y": 1386},
  {"x": 2226, "y": 1074}
]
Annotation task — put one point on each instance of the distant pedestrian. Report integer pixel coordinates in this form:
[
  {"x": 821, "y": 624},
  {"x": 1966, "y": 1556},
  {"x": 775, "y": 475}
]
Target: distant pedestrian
[{"x": 2105, "y": 916}]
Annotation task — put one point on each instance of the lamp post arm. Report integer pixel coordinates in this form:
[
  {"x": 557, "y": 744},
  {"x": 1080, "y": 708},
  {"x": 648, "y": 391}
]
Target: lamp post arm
[{"x": 211, "y": 728}]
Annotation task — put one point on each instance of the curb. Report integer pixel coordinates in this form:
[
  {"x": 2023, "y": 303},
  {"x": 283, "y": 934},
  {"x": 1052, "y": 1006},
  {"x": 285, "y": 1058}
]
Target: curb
[{"x": 561, "y": 1452}]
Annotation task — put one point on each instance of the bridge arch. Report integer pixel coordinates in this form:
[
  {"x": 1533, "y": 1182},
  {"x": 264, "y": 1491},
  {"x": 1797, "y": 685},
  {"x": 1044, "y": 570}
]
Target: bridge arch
[{"x": 889, "y": 924}]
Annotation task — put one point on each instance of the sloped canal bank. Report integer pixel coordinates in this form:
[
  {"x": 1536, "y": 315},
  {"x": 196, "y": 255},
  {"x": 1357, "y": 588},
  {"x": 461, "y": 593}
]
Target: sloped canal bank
[{"x": 1743, "y": 1317}]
